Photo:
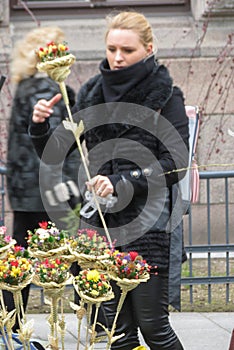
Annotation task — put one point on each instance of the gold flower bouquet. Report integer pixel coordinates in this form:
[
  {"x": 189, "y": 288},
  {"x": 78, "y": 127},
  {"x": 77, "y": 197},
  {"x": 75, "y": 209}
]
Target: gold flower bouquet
[
  {"x": 91, "y": 250},
  {"x": 93, "y": 288},
  {"x": 48, "y": 241},
  {"x": 52, "y": 274},
  {"x": 16, "y": 272}
]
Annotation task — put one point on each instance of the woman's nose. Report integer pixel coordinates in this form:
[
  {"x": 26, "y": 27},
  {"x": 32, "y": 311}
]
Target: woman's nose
[{"x": 118, "y": 56}]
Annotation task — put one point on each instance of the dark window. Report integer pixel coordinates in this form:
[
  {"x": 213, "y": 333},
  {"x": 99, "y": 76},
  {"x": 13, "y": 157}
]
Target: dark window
[{"x": 88, "y": 8}]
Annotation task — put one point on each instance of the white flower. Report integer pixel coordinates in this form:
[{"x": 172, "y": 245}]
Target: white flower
[{"x": 42, "y": 234}]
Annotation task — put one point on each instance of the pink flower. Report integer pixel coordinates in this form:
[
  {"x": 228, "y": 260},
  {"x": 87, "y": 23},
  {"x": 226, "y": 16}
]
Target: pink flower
[
  {"x": 91, "y": 233},
  {"x": 7, "y": 239}
]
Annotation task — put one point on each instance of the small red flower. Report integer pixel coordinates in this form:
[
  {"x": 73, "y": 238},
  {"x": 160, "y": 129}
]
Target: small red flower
[
  {"x": 17, "y": 248},
  {"x": 50, "y": 43},
  {"x": 43, "y": 224},
  {"x": 133, "y": 255},
  {"x": 14, "y": 263}
]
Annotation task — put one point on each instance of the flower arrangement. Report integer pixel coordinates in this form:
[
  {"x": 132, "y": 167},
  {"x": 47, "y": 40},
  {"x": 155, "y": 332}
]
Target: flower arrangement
[
  {"x": 51, "y": 270},
  {"x": 47, "y": 237},
  {"x": 92, "y": 283},
  {"x": 52, "y": 51},
  {"x": 55, "y": 60},
  {"x": 129, "y": 265},
  {"x": 88, "y": 241},
  {"x": 16, "y": 267}
]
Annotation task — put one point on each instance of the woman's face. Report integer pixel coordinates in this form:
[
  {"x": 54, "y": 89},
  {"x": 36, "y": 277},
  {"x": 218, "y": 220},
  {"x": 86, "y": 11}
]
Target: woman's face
[{"x": 124, "y": 48}]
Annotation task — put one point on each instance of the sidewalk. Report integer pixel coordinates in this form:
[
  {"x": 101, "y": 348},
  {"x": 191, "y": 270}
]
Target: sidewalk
[{"x": 197, "y": 331}]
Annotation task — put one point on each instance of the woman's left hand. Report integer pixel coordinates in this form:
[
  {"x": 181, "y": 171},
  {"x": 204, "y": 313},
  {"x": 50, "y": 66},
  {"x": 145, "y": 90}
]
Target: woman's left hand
[{"x": 101, "y": 184}]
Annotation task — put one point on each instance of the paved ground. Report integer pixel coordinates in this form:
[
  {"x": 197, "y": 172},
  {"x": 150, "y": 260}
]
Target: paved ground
[{"x": 197, "y": 331}]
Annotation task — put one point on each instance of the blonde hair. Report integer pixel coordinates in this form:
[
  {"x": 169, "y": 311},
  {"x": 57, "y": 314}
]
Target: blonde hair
[
  {"x": 131, "y": 20},
  {"x": 24, "y": 59}
]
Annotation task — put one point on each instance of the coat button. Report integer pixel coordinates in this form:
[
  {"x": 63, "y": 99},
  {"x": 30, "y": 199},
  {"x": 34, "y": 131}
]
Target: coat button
[
  {"x": 147, "y": 171},
  {"x": 135, "y": 173}
]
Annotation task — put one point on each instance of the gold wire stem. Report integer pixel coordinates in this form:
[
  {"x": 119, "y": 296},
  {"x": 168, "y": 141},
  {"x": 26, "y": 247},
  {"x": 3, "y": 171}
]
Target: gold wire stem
[
  {"x": 66, "y": 101},
  {"x": 7, "y": 336},
  {"x": 17, "y": 300},
  {"x": 55, "y": 315},
  {"x": 198, "y": 167},
  {"x": 62, "y": 325},
  {"x": 93, "y": 334},
  {"x": 119, "y": 307},
  {"x": 3, "y": 306},
  {"x": 89, "y": 312},
  {"x": 7, "y": 340},
  {"x": 80, "y": 313},
  {"x": 93, "y": 192},
  {"x": 17, "y": 306}
]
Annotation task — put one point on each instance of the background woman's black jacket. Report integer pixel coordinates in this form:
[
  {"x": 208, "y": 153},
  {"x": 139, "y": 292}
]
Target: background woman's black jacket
[{"x": 23, "y": 162}]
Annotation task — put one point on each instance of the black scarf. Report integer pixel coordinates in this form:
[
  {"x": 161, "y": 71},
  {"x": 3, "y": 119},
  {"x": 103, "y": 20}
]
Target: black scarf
[{"x": 116, "y": 83}]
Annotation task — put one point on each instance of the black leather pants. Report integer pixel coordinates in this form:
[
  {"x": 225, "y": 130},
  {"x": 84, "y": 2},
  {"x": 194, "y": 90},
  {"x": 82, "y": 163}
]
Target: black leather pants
[{"x": 146, "y": 308}]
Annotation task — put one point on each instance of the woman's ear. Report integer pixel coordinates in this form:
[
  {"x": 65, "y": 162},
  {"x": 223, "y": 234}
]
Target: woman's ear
[{"x": 149, "y": 49}]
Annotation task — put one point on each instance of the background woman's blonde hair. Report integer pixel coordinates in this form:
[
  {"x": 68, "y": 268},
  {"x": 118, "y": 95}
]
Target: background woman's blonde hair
[
  {"x": 24, "y": 60},
  {"x": 131, "y": 20}
]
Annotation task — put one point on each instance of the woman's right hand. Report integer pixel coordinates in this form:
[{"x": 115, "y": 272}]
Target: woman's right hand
[{"x": 43, "y": 109}]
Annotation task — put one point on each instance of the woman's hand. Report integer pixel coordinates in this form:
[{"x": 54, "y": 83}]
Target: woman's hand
[
  {"x": 101, "y": 184},
  {"x": 43, "y": 109}
]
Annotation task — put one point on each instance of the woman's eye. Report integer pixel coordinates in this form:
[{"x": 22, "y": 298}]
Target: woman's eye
[
  {"x": 128, "y": 50},
  {"x": 111, "y": 49}
]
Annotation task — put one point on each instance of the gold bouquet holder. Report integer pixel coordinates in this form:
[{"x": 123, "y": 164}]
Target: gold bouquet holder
[
  {"x": 7, "y": 319},
  {"x": 91, "y": 335},
  {"x": 86, "y": 261},
  {"x": 53, "y": 253},
  {"x": 55, "y": 292}
]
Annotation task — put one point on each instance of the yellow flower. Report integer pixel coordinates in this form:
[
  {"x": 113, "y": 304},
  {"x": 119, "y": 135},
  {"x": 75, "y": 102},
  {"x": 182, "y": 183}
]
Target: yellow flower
[
  {"x": 94, "y": 293},
  {"x": 93, "y": 275},
  {"x": 2, "y": 268},
  {"x": 62, "y": 47},
  {"x": 115, "y": 252},
  {"x": 15, "y": 271}
]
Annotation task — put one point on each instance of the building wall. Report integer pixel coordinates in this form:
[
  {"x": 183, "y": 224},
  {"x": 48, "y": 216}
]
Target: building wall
[{"x": 197, "y": 48}]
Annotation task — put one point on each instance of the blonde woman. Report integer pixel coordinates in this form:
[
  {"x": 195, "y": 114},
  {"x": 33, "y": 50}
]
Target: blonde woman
[
  {"x": 28, "y": 201},
  {"x": 133, "y": 152}
]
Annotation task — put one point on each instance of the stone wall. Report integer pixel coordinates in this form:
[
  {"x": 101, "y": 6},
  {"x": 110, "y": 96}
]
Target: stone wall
[{"x": 197, "y": 48}]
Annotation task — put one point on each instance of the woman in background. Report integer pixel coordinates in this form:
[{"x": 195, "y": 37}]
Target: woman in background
[{"x": 34, "y": 200}]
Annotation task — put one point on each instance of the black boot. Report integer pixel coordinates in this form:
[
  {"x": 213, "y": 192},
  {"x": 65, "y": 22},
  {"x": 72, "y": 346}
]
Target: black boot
[{"x": 177, "y": 346}]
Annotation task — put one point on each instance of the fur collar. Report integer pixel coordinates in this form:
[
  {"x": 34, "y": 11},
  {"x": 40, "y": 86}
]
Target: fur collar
[{"x": 152, "y": 92}]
